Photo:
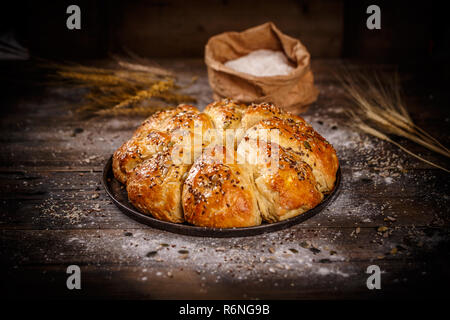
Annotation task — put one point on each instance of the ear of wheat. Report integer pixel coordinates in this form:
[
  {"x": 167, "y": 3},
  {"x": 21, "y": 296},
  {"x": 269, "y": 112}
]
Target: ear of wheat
[
  {"x": 379, "y": 111},
  {"x": 127, "y": 89}
]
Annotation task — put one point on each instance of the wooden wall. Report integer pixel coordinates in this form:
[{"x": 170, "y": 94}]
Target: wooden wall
[
  {"x": 411, "y": 31},
  {"x": 168, "y": 28}
]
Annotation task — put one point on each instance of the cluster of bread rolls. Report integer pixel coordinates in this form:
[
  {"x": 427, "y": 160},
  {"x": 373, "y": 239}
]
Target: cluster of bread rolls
[{"x": 230, "y": 166}]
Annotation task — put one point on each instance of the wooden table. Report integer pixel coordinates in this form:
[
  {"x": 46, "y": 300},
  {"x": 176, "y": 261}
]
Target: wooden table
[{"x": 55, "y": 213}]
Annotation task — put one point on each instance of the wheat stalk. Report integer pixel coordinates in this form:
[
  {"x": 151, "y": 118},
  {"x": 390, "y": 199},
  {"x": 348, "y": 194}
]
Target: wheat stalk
[
  {"x": 379, "y": 111},
  {"x": 122, "y": 87}
]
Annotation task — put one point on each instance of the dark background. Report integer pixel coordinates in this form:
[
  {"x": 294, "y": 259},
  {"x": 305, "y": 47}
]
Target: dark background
[
  {"x": 411, "y": 31},
  {"x": 414, "y": 36}
]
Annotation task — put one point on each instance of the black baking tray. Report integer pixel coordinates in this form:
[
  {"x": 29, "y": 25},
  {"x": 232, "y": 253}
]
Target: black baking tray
[{"x": 118, "y": 194}]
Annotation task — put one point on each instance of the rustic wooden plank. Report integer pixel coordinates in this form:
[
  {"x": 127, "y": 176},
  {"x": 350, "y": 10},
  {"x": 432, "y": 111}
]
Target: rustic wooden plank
[
  {"x": 125, "y": 282},
  {"x": 251, "y": 266},
  {"x": 101, "y": 214},
  {"x": 132, "y": 247}
]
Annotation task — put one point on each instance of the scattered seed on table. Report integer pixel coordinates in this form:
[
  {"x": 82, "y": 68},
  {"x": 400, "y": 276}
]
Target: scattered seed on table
[
  {"x": 314, "y": 250},
  {"x": 151, "y": 253}
]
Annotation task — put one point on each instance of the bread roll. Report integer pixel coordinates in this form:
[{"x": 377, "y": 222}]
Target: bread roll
[
  {"x": 183, "y": 126},
  {"x": 313, "y": 149},
  {"x": 159, "y": 120},
  {"x": 136, "y": 150},
  {"x": 284, "y": 188},
  {"x": 226, "y": 116},
  {"x": 155, "y": 186},
  {"x": 218, "y": 194}
]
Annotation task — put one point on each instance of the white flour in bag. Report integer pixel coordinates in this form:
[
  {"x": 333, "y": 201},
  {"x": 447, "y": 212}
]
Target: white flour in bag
[{"x": 262, "y": 63}]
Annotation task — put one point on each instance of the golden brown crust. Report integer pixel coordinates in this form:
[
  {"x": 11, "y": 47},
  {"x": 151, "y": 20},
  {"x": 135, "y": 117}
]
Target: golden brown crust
[
  {"x": 222, "y": 189},
  {"x": 311, "y": 146},
  {"x": 285, "y": 188},
  {"x": 159, "y": 119},
  {"x": 226, "y": 116},
  {"x": 219, "y": 195},
  {"x": 155, "y": 186},
  {"x": 136, "y": 150},
  {"x": 182, "y": 126},
  {"x": 190, "y": 129},
  {"x": 257, "y": 112}
]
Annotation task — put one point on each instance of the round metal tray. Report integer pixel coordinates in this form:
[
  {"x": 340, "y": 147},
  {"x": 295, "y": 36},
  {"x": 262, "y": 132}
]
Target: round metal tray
[{"x": 118, "y": 195}]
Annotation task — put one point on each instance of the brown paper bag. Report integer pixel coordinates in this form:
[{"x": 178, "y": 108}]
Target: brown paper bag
[{"x": 292, "y": 92}]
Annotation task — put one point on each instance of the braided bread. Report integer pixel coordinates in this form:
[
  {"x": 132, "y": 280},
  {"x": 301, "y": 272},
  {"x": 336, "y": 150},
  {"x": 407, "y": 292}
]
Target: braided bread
[{"x": 230, "y": 166}]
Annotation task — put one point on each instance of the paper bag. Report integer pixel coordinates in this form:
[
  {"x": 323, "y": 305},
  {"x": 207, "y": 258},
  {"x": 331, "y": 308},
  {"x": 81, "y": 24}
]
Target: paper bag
[{"x": 293, "y": 92}]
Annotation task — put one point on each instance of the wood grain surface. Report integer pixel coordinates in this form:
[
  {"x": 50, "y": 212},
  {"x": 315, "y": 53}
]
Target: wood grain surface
[{"x": 54, "y": 212}]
